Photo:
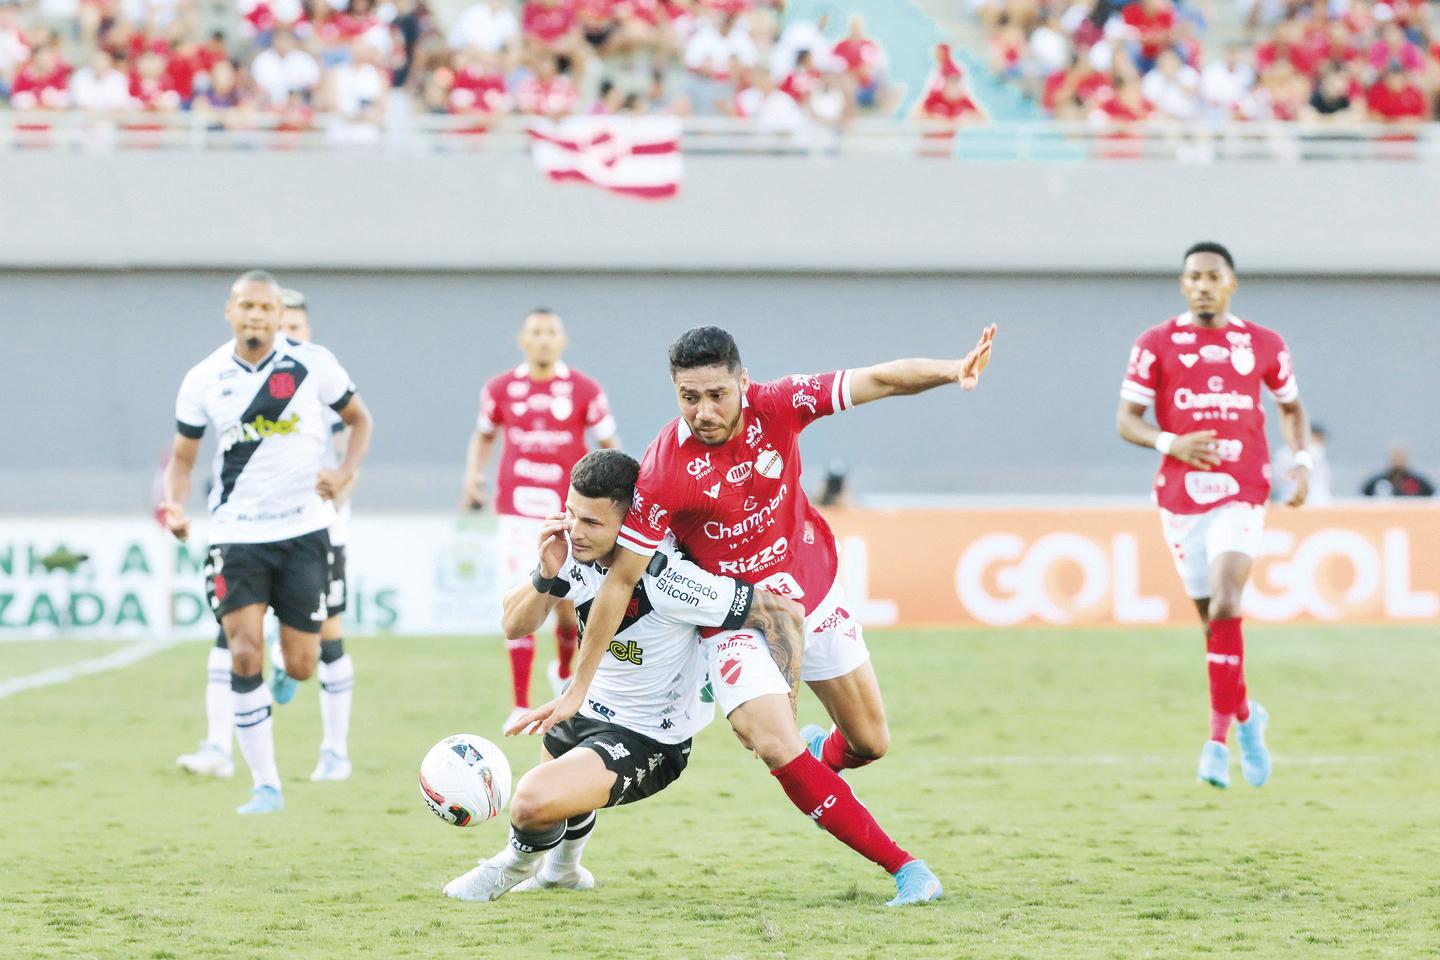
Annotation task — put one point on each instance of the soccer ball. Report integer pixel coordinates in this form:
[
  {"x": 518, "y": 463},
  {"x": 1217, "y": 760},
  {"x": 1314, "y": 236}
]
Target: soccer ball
[{"x": 465, "y": 780}]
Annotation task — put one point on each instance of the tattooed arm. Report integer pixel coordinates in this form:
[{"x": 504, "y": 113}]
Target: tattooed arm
[{"x": 783, "y": 623}]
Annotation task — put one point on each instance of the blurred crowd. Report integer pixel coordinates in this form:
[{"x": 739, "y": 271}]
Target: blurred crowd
[
  {"x": 285, "y": 61},
  {"x": 1321, "y": 61}
]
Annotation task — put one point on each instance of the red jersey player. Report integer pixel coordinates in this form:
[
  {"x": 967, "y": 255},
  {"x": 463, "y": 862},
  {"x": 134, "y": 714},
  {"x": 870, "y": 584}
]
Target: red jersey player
[
  {"x": 544, "y": 409},
  {"x": 724, "y": 479},
  {"x": 1202, "y": 371}
]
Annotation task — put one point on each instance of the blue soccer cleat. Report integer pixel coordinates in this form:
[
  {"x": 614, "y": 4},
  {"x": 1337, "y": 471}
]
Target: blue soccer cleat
[
  {"x": 1254, "y": 754},
  {"x": 265, "y": 799},
  {"x": 814, "y": 737},
  {"x": 1215, "y": 764},
  {"x": 282, "y": 685},
  {"x": 915, "y": 883}
]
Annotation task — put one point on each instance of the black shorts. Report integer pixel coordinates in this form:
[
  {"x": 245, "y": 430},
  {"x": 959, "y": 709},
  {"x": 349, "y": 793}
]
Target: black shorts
[
  {"x": 335, "y": 598},
  {"x": 642, "y": 767},
  {"x": 290, "y": 576}
]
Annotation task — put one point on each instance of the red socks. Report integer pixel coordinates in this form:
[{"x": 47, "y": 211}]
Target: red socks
[
  {"x": 836, "y": 754},
  {"x": 1225, "y": 656},
  {"x": 565, "y": 643},
  {"x": 522, "y": 656},
  {"x": 820, "y": 794}
]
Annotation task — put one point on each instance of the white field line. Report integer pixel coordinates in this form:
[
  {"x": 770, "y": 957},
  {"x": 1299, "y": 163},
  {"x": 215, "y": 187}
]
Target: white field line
[
  {"x": 1113, "y": 759},
  {"x": 84, "y": 668}
]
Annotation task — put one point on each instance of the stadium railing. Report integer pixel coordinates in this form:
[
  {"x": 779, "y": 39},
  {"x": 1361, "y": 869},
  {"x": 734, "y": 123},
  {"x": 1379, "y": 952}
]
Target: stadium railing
[{"x": 1051, "y": 141}]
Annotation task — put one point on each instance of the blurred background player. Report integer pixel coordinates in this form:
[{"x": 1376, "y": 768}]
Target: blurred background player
[
  {"x": 1398, "y": 479},
  {"x": 271, "y": 502},
  {"x": 335, "y": 668},
  {"x": 543, "y": 408},
  {"x": 1205, "y": 369}
]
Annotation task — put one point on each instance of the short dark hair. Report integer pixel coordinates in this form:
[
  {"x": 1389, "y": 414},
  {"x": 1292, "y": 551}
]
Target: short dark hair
[
  {"x": 607, "y": 474},
  {"x": 704, "y": 347},
  {"x": 1210, "y": 246}
]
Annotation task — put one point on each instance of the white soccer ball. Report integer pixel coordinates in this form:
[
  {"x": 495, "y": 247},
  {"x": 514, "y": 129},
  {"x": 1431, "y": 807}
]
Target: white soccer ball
[{"x": 465, "y": 780}]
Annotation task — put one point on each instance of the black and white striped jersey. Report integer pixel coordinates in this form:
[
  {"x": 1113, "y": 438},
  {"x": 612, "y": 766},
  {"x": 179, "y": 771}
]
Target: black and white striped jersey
[{"x": 274, "y": 428}]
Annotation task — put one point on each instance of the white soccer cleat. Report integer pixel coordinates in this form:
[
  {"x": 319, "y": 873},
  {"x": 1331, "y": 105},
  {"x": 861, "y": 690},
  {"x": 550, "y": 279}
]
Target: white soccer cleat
[
  {"x": 515, "y": 714},
  {"x": 557, "y": 683},
  {"x": 209, "y": 761},
  {"x": 490, "y": 880},
  {"x": 577, "y": 879},
  {"x": 332, "y": 766}
]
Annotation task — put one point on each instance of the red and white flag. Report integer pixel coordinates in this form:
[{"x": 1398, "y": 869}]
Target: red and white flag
[{"x": 634, "y": 156}]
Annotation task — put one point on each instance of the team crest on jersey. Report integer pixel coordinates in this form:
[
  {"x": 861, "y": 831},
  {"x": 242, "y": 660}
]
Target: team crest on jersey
[
  {"x": 769, "y": 464},
  {"x": 562, "y": 407},
  {"x": 282, "y": 385},
  {"x": 1242, "y": 358}
]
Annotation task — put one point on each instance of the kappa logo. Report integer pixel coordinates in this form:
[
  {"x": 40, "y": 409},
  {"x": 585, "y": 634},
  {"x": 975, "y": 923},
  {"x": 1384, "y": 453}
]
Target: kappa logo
[
  {"x": 739, "y": 473},
  {"x": 282, "y": 385},
  {"x": 1187, "y": 336},
  {"x": 655, "y": 760},
  {"x": 700, "y": 467},
  {"x": 714, "y": 492},
  {"x": 1189, "y": 359},
  {"x": 617, "y": 751}
]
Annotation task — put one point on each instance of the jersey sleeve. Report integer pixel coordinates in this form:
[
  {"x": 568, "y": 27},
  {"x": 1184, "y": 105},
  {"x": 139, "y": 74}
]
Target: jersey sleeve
[
  {"x": 1280, "y": 375},
  {"x": 804, "y": 398},
  {"x": 655, "y": 503},
  {"x": 1143, "y": 372},
  {"x": 190, "y": 416},
  {"x": 598, "y": 419},
  {"x": 683, "y": 592},
  {"x": 490, "y": 413},
  {"x": 336, "y": 387}
]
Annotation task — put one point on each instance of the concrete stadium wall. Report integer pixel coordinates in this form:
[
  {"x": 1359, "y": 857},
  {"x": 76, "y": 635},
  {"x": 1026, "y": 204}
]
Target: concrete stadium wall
[
  {"x": 866, "y": 213},
  {"x": 93, "y": 359}
]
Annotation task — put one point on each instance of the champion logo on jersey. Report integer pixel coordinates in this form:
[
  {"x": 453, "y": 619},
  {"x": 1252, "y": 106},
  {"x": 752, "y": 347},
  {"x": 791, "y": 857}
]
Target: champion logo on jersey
[{"x": 282, "y": 385}]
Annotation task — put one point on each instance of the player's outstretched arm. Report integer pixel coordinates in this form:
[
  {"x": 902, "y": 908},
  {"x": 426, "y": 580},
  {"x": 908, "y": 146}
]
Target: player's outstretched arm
[
  {"x": 1295, "y": 428},
  {"x": 606, "y": 613},
  {"x": 1198, "y": 449},
  {"x": 900, "y": 378},
  {"x": 782, "y": 621},
  {"x": 175, "y": 484},
  {"x": 333, "y": 483}
]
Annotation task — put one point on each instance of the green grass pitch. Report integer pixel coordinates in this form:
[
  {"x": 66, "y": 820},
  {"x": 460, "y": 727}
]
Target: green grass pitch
[{"x": 1047, "y": 775}]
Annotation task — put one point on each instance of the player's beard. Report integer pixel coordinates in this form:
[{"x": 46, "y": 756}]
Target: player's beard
[
  {"x": 253, "y": 343},
  {"x": 1207, "y": 315},
  {"x": 729, "y": 432}
]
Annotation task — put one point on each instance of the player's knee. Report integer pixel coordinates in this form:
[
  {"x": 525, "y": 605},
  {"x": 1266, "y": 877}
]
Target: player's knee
[
  {"x": 245, "y": 650},
  {"x": 1225, "y": 604},
  {"x": 300, "y": 664},
  {"x": 776, "y": 747},
  {"x": 871, "y": 743},
  {"x": 530, "y": 809}
]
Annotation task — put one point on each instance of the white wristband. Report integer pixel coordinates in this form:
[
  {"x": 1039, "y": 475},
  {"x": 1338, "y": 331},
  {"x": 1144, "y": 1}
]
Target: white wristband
[
  {"x": 1303, "y": 459},
  {"x": 1164, "y": 442}
]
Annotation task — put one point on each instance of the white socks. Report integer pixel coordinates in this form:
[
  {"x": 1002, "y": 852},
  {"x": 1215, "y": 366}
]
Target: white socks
[
  {"x": 254, "y": 728},
  {"x": 219, "y": 708},
  {"x": 337, "y": 683},
  {"x": 566, "y": 856}
]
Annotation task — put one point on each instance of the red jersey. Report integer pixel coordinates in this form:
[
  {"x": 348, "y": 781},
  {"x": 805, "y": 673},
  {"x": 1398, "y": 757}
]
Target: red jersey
[
  {"x": 1153, "y": 28},
  {"x": 1209, "y": 379},
  {"x": 544, "y": 423},
  {"x": 548, "y": 24},
  {"x": 738, "y": 509}
]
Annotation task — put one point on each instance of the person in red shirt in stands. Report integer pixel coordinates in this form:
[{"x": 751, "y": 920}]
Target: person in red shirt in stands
[
  {"x": 1288, "y": 44},
  {"x": 864, "y": 63},
  {"x": 43, "y": 83},
  {"x": 1396, "y": 98},
  {"x": 151, "y": 86},
  {"x": 551, "y": 28},
  {"x": 549, "y": 93},
  {"x": 1068, "y": 93},
  {"x": 1153, "y": 22},
  {"x": 802, "y": 81},
  {"x": 952, "y": 104},
  {"x": 479, "y": 85}
]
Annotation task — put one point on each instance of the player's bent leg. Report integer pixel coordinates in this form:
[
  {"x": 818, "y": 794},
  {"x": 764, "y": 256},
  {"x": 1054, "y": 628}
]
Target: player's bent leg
[
  {"x": 862, "y": 734},
  {"x": 766, "y": 726},
  {"x": 576, "y": 783},
  {"x": 301, "y": 649}
]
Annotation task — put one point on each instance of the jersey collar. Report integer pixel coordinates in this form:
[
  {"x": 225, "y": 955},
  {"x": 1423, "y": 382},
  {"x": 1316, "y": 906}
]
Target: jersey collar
[
  {"x": 275, "y": 350},
  {"x": 562, "y": 370},
  {"x": 1188, "y": 319}
]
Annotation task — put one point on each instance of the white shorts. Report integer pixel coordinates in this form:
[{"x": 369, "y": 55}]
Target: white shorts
[
  {"x": 519, "y": 548},
  {"x": 741, "y": 668},
  {"x": 834, "y": 640},
  {"x": 1196, "y": 539}
]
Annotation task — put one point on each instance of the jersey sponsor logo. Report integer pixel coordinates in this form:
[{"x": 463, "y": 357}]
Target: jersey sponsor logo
[
  {"x": 1186, "y": 336},
  {"x": 1210, "y": 486},
  {"x": 561, "y": 388},
  {"x": 781, "y": 584},
  {"x": 700, "y": 467},
  {"x": 1242, "y": 359},
  {"x": 750, "y": 504},
  {"x": 282, "y": 385},
  {"x": 1240, "y": 339},
  {"x": 739, "y": 473},
  {"x": 743, "y": 593},
  {"x": 517, "y": 388},
  {"x": 538, "y": 439},
  {"x": 656, "y": 514},
  {"x": 1216, "y": 383},
  {"x": 601, "y": 710},
  {"x": 753, "y": 433},
  {"x": 802, "y": 400},
  {"x": 617, "y": 751},
  {"x": 539, "y": 472},
  {"x": 1141, "y": 361},
  {"x": 807, "y": 381},
  {"x": 1224, "y": 402},
  {"x": 750, "y": 523},
  {"x": 730, "y": 671},
  {"x": 714, "y": 492},
  {"x": 838, "y": 616},
  {"x": 736, "y": 641},
  {"x": 754, "y": 563},
  {"x": 769, "y": 464},
  {"x": 536, "y": 501},
  {"x": 1189, "y": 359},
  {"x": 259, "y": 429},
  {"x": 1214, "y": 353},
  {"x": 676, "y": 585},
  {"x": 518, "y": 408}
]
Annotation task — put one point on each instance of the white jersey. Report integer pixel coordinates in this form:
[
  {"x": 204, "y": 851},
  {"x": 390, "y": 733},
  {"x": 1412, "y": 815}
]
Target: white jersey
[
  {"x": 649, "y": 680},
  {"x": 273, "y": 434},
  {"x": 334, "y": 455}
]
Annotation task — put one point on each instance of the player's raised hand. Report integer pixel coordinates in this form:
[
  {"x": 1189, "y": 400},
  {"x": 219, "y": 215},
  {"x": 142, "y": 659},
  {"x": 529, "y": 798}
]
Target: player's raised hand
[
  {"x": 1198, "y": 449},
  {"x": 1301, "y": 475},
  {"x": 553, "y": 546},
  {"x": 547, "y": 715},
  {"x": 330, "y": 483},
  {"x": 976, "y": 360},
  {"x": 176, "y": 520}
]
